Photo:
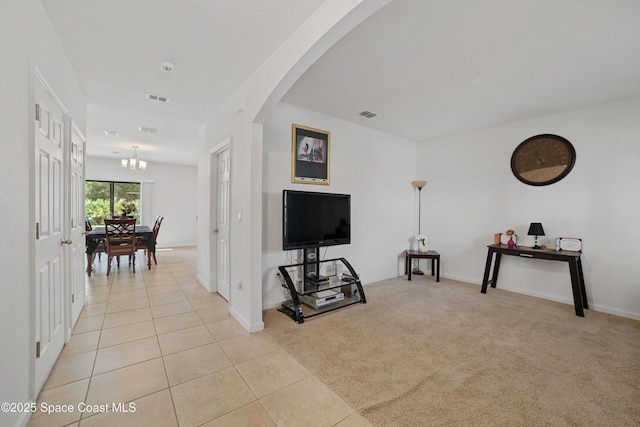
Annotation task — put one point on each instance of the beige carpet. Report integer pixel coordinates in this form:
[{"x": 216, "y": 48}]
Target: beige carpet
[{"x": 422, "y": 353}]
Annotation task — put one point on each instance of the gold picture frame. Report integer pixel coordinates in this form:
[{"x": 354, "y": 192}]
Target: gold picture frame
[{"x": 310, "y": 150}]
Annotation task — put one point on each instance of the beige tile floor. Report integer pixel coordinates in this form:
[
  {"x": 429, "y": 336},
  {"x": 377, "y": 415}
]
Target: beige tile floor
[{"x": 156, "y": 341}]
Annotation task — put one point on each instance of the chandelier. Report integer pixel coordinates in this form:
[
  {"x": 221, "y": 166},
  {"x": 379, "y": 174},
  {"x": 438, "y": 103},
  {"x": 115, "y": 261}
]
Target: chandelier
[{"x": 134, "y": 164}]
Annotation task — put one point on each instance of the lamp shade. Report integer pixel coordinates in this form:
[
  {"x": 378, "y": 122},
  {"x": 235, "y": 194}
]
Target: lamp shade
[
  {"x": 134, "y": 163},
  {"x": 535, "y": 229},
  {"x": 419, "y": 184}
]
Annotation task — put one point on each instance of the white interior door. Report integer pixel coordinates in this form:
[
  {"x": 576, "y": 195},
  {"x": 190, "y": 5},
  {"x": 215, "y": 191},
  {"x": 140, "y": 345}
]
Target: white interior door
[
  {"x": 222, "y": 223},
  {"x": 76, "y": 217},
  {"x": 49, "y": 204}
]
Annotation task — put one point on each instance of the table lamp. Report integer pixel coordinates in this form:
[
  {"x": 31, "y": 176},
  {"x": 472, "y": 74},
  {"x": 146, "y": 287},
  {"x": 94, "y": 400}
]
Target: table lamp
[{"x": 535, "y": 229}]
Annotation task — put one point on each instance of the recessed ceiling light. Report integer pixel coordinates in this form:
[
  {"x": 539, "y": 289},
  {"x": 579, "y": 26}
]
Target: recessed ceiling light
[
  {"x": 111, "y": 133},
  {"x": 476, "y": 81}
]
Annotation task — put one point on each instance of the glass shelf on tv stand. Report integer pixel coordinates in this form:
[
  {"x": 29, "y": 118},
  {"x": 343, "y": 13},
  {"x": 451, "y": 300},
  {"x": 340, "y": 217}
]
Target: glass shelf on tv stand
[
  {"x": 312, "y": 286},
  {"x": 289, "y": 307},
  {"x": 349, "y": 285}
]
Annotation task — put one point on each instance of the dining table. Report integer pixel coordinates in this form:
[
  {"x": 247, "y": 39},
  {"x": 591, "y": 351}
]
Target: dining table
[{"x": 144, "y": 236}]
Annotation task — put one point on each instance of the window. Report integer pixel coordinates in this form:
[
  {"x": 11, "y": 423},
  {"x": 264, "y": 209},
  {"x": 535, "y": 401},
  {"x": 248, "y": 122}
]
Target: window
[{"x": 108, "y": 199}]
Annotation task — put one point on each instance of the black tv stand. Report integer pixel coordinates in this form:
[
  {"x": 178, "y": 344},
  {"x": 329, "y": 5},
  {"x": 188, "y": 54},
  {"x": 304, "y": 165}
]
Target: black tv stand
[
  {"x": 304, "y": 281},
  {"x": 313, "y": 277},
  {"x": 311, "y": 266}
]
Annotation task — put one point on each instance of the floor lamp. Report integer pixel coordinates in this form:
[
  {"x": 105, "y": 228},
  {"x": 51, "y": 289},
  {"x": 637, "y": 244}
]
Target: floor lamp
[{"x": 419, "y": 185}]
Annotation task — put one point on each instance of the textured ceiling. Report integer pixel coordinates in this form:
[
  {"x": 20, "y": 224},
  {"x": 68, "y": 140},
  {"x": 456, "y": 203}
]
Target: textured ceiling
[{"x": 411, "y": 63}]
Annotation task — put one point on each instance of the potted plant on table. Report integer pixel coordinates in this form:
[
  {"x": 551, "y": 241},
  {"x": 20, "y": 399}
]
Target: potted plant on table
[
  {"x": 422, "y": 243},
  {"x": 128, "y": 209}
]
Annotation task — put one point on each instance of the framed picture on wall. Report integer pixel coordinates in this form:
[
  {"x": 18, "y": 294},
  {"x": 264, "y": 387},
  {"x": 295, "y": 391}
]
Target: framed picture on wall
[{"x": 309, "y": 155}]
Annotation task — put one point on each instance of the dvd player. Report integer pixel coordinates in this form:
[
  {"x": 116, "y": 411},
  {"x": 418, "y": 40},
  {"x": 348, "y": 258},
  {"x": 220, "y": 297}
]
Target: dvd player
[{"x": 322, "y": 298}]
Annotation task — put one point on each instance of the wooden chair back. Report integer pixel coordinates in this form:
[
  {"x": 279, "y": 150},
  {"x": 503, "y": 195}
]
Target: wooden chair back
[
  {"x": 156, "y": 230},
  {"x": 120, "y": 232},
  {"x": 156, "y": 227},
  {"x": 121, "y": 239}
]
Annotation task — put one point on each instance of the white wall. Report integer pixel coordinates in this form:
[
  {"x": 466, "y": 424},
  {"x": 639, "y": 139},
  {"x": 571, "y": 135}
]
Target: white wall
[
  {"x": 173, "y": 195},
  {"x": 27, "y": 40},
  {"x": 473, "y": 194},
  {"x": 374, "y": 167},
  {"x": 262, "y": 91}
]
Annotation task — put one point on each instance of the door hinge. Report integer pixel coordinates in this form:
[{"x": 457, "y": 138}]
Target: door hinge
[
  {"x": 73, "y": 298},
  {"x": 38, "y": 112},
  {"x": 38, "y": 350},
  {"x": 37, "y": 230}
]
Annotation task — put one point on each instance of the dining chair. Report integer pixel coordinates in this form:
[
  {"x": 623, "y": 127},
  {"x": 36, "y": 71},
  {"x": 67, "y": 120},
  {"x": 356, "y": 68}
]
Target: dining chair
[
  {"x": 156, "y": 230},
  {"x": 100, "y": 248},
  {"x": 121, "y": 240}
]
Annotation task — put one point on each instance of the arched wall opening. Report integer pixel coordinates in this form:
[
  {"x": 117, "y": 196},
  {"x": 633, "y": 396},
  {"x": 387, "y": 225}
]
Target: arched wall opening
[{"x": 241, "y": 119}]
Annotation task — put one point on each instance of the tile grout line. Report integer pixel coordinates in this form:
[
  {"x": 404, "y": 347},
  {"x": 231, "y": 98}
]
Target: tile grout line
[
  {"x": 109, "y": 299},
  {"x": 95, "y": 358}
]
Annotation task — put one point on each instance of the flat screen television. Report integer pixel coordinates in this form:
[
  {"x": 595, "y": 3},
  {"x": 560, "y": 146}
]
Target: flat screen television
[{"x": 312, "y": 220}]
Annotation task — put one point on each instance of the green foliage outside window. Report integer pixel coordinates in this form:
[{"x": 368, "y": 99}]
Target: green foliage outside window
[
  {"x": 95, "y": 190},
  {"x": 97, "y": 210},
  {"x": 100, "y": 205}
]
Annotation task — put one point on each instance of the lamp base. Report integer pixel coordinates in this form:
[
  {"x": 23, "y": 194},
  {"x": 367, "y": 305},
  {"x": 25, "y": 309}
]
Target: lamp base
[
  {"x": 417, "y": 271},
  {"x": 535, "y": 245}
]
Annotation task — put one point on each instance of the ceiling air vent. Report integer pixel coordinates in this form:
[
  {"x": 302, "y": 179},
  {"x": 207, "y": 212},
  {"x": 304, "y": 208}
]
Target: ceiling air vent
[
  {"x": 368, "y": 114},
  {"x": 111, "y": 133},
  {"x": 157, "y": 98},
  {"x": 147, "y": 130}
]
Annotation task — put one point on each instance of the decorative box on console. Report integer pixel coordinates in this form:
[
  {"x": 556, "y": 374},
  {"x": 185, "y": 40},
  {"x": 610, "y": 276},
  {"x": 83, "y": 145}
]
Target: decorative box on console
[{"x": 568, "y": 244}]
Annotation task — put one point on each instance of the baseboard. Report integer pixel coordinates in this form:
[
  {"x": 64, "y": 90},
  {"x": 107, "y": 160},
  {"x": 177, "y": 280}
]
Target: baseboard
[
  {"x": 276, "y": 302},
  {"x": 272, "y": 304},
  {"x": 462, "y": 279},
  {"x": 204, "y": 283},
  {"x": 257, "y": 327},
  {"x": 541, "y": 295},
  {"x": 613, "y": 311},
  {"x": 178, "y": 245},
  {"x": 454, "y": 277},
  {"x": 569, "y": 301}
]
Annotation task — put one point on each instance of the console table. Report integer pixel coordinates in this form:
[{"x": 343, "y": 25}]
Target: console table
[
  {"x": 432, "y": 255},
  {"x": 571, "y": 257}
]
